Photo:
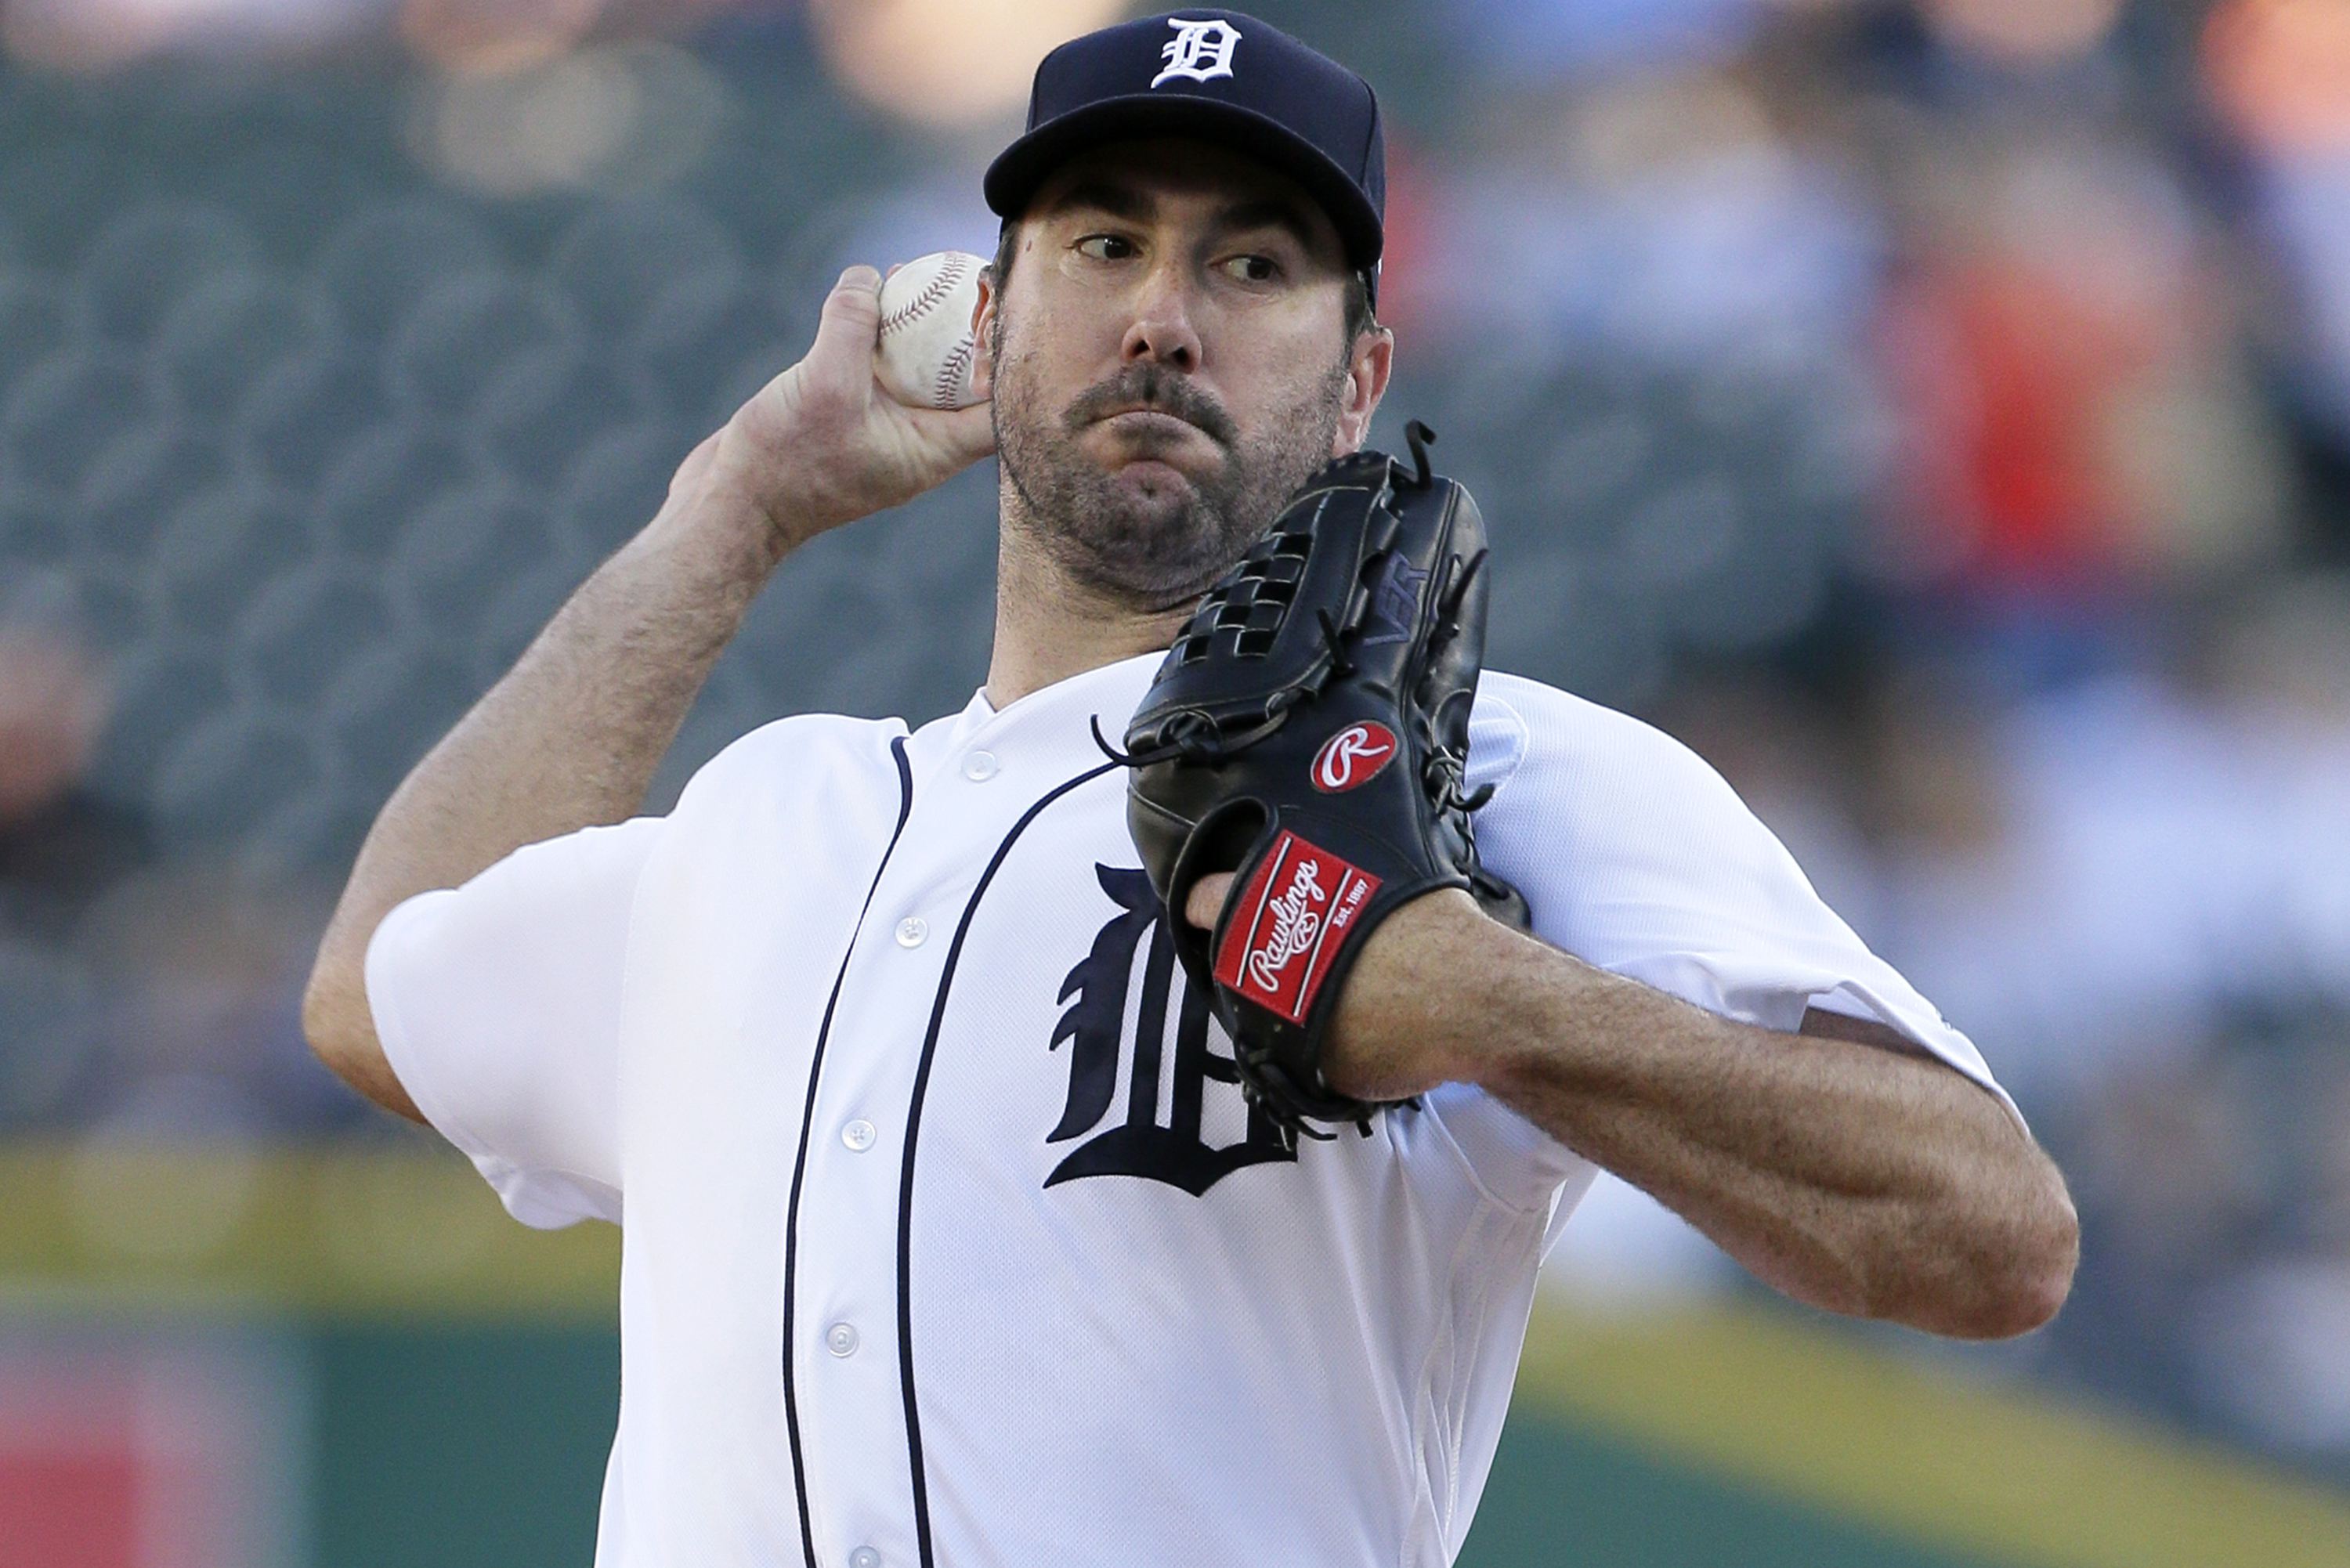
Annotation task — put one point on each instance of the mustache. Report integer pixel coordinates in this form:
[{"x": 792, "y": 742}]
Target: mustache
[{"x": 1160, "y": 391}]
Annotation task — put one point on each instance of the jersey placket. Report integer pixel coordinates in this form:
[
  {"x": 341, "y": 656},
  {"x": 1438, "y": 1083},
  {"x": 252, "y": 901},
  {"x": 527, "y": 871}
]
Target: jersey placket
[{"x": 846, "y": 1361}]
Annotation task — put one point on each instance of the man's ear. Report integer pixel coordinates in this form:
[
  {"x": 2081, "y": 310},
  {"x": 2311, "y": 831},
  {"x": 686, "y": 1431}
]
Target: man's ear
[
  {"x": 1367, "y": 382},
  {"x": 983, "y": 332}
]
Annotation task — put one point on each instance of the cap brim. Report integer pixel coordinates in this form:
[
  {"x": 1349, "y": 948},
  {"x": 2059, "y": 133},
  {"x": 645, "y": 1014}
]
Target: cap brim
[{"x": 1013, "y": 178}]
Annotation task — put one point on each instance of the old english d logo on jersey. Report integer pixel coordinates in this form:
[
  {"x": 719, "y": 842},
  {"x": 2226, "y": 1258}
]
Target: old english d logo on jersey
[
  {"x": 1200, "y": 51},
  {"x": 1095, "y": 1030},
  {"x": 1289, "y": 922},
  {"x": 1353, "y": 757}
]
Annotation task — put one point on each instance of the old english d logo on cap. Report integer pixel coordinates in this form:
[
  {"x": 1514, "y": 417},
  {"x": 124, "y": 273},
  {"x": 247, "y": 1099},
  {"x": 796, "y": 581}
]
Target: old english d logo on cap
[
  {"x": 1200, "y": 51},
  {"x": 1215, "y": 75}
]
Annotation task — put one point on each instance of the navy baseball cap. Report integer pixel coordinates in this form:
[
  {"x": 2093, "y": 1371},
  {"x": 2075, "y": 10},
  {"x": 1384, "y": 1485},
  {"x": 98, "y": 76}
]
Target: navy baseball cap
[{"x": 1222, "y": 77}]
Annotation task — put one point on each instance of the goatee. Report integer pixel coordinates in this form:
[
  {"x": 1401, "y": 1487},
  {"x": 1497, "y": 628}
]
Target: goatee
[{"x": 1155, "y": 547}]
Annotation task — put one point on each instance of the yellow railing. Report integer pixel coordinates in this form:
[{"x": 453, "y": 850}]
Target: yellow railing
[
  {"x": 1806, "y": 1413},
  {"x": 304, "y": 1229}
]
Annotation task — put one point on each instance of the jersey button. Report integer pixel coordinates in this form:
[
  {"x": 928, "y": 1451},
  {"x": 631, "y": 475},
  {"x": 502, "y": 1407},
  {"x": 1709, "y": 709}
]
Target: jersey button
[
  {"x": 912, "y": 931},
  {"x": 865, "y": 1557},
  {"x": 979, "y": 766},
  {"x": 841, "y": 1339},
  {"x": 857, "y": 1135}
]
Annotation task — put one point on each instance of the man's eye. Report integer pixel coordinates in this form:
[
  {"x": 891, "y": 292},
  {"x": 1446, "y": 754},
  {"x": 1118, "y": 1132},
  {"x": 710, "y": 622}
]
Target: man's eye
[
  {"x": 1105, "y": 248},
  {"x": 1251, "y": 269}
]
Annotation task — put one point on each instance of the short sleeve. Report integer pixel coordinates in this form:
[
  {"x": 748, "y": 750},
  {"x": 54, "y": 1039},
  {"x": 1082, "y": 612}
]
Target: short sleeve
[
  {"x": 1635, "y": 857},
  {"x": 498, "y": 1005}
]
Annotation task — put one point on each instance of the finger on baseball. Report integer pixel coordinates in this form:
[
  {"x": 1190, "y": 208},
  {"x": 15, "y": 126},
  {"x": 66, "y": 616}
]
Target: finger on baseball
[
  {"x": 1206, "y": 901},
  {"x": 852, "y": 322}
]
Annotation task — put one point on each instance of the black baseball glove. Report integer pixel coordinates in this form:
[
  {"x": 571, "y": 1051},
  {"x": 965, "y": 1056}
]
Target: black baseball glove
[{"x": 1307, "y": 732}]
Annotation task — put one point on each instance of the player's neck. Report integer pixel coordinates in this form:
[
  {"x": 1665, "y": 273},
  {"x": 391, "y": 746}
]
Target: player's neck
[{"x": 1049, "y": 628}]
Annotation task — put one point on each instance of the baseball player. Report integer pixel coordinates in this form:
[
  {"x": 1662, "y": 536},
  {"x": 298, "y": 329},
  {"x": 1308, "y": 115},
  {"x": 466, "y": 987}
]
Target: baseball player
[{"x": 952, "y": 1235}]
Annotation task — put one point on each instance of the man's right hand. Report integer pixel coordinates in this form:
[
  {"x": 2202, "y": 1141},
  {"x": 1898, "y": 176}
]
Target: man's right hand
[{"x": 823, "y": 445}]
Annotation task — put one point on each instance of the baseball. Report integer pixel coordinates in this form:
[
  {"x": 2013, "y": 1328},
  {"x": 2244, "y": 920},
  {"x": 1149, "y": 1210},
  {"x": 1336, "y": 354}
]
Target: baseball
[{"x": 930, "y": 308}]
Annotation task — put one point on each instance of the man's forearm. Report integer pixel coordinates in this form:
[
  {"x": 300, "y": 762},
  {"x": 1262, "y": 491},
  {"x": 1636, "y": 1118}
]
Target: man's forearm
[
  {"x": 567, "y": 739},
  {"x": 1857, "y": 1179}
]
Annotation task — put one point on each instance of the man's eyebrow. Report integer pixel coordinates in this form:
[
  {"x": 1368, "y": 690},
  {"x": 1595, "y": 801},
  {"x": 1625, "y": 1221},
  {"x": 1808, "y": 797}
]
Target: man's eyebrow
[
  {"x": 1269, "y": 213},
  {"x": 1103, "y": 196}
]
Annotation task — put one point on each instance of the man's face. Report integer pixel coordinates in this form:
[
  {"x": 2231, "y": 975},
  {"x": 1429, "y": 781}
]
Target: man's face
[{"x": 1172, "y": 361}]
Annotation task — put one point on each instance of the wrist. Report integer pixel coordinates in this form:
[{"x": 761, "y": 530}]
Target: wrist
[
  {"x": 710, "y": 536},
  {"x": 745, "y": 490},
  {"x": 1542, "y": 1018},
  {"x": 741, "y": 495},
  {"x": 1411, "y": 1016}
]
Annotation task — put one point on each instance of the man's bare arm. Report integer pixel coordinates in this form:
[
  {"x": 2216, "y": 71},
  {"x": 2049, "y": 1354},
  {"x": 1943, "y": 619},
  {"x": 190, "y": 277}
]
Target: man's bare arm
[
  {"x": 1859, "y": 1179},
  {"x": 571, "y": 736}
]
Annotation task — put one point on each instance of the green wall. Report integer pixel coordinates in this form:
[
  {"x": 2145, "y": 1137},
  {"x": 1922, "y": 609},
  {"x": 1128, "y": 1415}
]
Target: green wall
[
  {"x": 484, "y": 1448},
  {"x": 1562, "y": 1498},
  {"x": 461, "y": 1448}
]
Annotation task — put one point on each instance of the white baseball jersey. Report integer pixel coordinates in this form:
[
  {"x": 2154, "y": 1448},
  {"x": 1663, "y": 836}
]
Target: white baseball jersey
[{"x": 949, "y": 1239}]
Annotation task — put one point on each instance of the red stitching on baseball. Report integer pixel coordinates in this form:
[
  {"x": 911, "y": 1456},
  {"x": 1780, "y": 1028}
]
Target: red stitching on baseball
[
  {"x": 951, "y": 375},
  {"x": 937, "y": 289}
]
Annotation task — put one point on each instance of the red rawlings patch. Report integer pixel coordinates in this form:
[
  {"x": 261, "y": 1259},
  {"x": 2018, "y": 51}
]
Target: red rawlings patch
[
  {"x": 1288, "y": 923},
  {"x": 1354, "y": 756}
]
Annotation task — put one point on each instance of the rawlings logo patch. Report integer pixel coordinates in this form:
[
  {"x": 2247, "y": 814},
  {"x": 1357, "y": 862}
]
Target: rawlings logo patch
[
  {"x": 1353, "y": 757},
  {"x": 1288, "y": 923}
]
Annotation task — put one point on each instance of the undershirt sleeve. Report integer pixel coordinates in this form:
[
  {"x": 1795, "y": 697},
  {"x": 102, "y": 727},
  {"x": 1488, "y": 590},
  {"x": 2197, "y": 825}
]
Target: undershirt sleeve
[
  {"x": 1635, "y": 857},
  {"x": 498, "y": 1005}
]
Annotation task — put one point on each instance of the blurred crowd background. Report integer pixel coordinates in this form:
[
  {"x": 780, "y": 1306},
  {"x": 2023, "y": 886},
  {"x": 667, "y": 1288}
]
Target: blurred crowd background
[{"x": 1935, "y": 413}]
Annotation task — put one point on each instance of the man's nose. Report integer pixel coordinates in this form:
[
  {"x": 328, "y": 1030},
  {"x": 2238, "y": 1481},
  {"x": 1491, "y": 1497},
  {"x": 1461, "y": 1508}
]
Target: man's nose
[{"x": 1162, "y": 332}]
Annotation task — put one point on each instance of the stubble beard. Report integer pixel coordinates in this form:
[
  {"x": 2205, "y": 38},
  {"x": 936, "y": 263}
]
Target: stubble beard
[{"x": 1159, "y": 547}]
